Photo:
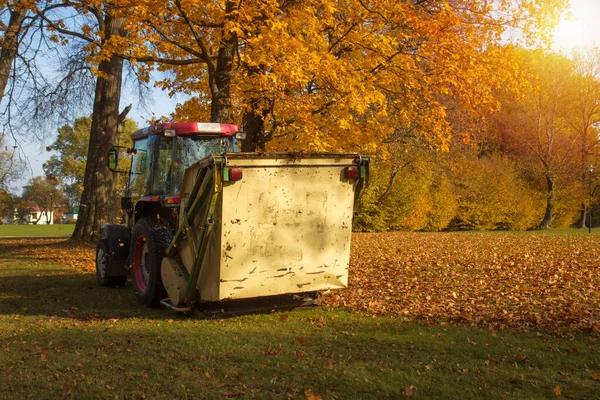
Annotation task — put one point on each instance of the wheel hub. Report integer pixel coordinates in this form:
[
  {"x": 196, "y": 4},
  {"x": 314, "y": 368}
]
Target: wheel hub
[
  {"x": 101, "y": 257},
  {"x": 141, "y": 264}
]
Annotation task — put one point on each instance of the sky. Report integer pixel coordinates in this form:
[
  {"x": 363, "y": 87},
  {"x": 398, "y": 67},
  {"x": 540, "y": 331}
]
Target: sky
[
  {"x": 582, "y": 30},
  {"x": 36, "y": 151}
]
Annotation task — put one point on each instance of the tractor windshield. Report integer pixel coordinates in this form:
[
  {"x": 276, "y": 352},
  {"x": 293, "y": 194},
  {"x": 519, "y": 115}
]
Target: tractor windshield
[{"x": 175, "y": 154}]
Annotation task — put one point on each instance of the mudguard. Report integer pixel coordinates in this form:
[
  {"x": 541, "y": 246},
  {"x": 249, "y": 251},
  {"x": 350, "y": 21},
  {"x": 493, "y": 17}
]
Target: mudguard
[{"x": 117, "y": 238}]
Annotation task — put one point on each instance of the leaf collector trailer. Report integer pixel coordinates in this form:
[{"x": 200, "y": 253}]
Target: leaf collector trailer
[{"x": 208, "y": 228}]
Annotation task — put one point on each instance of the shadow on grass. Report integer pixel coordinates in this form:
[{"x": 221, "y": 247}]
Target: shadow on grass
[
  {"x": 218, "y": 361},
  {"x": 55, "y": 292},
  {"x": 52, "y": 277}
]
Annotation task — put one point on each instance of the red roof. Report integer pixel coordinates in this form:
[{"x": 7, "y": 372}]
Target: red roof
[{"x": 38, "y": 209}]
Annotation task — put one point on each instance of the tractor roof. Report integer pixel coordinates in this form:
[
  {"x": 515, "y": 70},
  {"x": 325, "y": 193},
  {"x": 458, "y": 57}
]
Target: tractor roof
[{"x": 187, "y": 128}]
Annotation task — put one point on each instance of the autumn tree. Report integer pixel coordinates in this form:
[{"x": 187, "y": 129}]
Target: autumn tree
[
  {"x": 584, "y": 112},
  {"x": 12, "y": 33},
  {"x": 100, "y": 25},
  {"x": 326, "y": 74},
  {"x": 44, "y": 193},
  {"x": 36, "y": 29},
  {"x": 31, "y": 94},
  {"x": 7, "y": 205},
  {"x": 463, "y": 189},
  {"x": 67, "y": 165},
  {"x": 534, "y": 124}
]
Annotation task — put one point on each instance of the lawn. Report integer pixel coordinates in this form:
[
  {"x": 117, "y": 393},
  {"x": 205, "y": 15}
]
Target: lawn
[
  {"x": 62, "y": 336},
  {"x": 54, "y": 230}
]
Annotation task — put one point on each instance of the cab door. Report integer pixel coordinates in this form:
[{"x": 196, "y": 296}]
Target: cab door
[{"x": 141, "y": 169}]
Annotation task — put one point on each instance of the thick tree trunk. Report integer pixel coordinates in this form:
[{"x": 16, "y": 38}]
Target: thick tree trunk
[
  {"x": 98, "y": 200},
  {"x": 221, "y": 81},
  {"x": 254, "y": 126},
  {"x": 549, "y": 203},
  {"x": 253, "y": 120},
  {"x": 10, "y": 47}
]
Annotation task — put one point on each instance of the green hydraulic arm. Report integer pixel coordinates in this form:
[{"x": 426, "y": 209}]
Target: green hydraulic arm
[{"x": 199, "y": 206}]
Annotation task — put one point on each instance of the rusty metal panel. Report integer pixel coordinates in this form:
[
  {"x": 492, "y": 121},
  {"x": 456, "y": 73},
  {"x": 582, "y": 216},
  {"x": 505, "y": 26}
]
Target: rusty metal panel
[{"x": 286, "y": 228}]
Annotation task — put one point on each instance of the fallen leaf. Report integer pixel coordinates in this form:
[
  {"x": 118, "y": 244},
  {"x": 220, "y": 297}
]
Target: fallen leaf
[
  {"x": 311, "y": 396},
  {"x": 409, "y": 391},
  {"x": 557, "y": 390}
]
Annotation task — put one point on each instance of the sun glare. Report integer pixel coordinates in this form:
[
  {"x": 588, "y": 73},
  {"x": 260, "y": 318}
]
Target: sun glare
[
  {"x": 568, "y": 35},
  {"x": 581, "y": 30}
]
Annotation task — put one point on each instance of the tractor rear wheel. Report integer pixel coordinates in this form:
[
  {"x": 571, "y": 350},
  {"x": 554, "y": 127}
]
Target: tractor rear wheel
[
  {"x": 102, "y": 261},
  {"x": 150, "y": 240}
]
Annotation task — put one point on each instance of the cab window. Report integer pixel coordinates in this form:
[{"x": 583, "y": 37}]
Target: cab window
[{"x": 140, "y": 169}]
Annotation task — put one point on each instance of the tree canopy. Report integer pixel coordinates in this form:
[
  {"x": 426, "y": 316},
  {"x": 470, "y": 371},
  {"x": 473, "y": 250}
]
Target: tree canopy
[
  {"x": 325, "y": 74},
  {"x": 443, "y": 93}
]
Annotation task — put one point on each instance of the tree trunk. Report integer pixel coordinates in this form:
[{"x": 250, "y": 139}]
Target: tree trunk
[
  {"x": 254, "y": 126},
  {"x": 98, "y": 204},
  {"x": 221, "y": 81},
  {"x": 10, "y": 47},
  {"x": 584, "y": 160},
  {"x": 581, "y": 222},
  {"x": 549, "y": 203}
]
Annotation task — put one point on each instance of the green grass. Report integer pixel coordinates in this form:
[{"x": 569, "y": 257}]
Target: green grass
[
  {"x": 62, "y": 336},
  {"x": 37, "y": 230}
]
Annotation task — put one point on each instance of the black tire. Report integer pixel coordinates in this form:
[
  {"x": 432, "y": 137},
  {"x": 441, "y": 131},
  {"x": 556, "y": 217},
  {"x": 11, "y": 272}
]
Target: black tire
[
  {"x": 102, "y": 263},
  {"x": 102, "y": 260},
  {"x": 149, "y": 243}
]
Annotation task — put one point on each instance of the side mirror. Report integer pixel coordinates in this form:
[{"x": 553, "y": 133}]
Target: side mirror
[
  {"x": 127, "y": 204},
  {"x": 240, "y": 135},
  {"x": 112, "y": 158}
]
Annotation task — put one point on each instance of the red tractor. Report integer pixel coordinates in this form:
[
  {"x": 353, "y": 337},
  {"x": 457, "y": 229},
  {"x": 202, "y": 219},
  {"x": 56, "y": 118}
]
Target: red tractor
[{"x": 159, "y": 157}]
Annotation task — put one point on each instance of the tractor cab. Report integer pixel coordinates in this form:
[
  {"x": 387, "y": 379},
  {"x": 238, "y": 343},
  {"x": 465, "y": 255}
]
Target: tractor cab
[{"x": 159, "y": 157}]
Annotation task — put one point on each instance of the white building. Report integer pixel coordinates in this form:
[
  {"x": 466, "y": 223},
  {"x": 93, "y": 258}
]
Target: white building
[{"x": 37, "y": 216}]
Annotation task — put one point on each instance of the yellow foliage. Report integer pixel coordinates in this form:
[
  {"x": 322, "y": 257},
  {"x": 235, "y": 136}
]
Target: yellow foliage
[
  {"x": 445, "y": 204},
  {"x": 492, "y": 196},
  {"x": 456, "y": 191}
]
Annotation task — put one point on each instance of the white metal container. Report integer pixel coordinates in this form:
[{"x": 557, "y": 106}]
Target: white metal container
[{"x": 283, "y": 228}]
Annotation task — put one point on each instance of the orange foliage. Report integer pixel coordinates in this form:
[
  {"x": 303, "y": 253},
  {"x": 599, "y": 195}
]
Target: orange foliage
[{"x": 327, "y": 74}]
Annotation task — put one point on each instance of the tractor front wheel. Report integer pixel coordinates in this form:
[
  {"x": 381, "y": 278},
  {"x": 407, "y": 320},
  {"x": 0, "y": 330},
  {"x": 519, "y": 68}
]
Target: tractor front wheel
[
  {"x": 102, "y": 261},
  {"x": 149, "y": 243}
]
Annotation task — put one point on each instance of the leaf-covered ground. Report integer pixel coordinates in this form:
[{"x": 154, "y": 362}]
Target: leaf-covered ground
[
  {"x": 78, "y": 256},
  {"x": 544, "y": 280},
  {"x": 63, "y": 336}
]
